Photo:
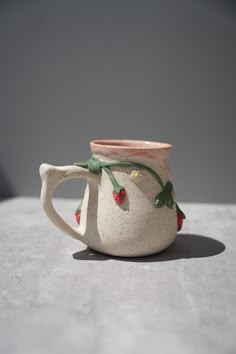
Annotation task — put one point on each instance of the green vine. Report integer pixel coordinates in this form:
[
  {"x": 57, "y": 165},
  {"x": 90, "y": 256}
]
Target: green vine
[
  {"x": 164, "y": 198},
  {"x": 117, "y": 188}
]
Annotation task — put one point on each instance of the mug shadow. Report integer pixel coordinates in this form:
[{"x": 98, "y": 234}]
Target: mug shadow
[{"x": 186, "y": 246}]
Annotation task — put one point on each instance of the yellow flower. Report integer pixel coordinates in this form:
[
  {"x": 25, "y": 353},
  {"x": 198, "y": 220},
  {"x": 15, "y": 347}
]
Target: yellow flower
[{"x": 136, "y": 176}]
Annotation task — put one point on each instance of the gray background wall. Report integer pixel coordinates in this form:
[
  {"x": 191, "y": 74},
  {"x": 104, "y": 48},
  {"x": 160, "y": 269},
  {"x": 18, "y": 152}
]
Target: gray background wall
[{"x": 73, "y": 71}]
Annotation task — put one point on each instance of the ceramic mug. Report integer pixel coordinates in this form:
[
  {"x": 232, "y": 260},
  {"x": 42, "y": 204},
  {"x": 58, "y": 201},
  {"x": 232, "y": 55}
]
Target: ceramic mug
[{"x": 129, "y": 206}]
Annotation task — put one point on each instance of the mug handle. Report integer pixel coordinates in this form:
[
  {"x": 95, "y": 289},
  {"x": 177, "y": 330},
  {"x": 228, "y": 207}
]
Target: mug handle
[{"x": 51, "y": 177}]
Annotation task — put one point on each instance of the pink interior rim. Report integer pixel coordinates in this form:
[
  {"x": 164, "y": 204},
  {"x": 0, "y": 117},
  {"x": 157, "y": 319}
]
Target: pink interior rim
[{"x": 123, "y": 144}]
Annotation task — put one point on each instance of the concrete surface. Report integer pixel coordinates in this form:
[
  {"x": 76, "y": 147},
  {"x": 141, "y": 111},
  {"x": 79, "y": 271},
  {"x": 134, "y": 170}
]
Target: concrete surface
[{"x": 59, "y": 297}]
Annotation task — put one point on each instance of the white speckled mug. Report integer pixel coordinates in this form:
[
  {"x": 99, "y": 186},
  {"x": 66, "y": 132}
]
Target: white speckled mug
[{"x": 128, "y": 208}]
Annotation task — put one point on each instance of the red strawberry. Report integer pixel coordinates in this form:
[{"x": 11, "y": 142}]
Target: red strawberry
[
  {"x": 180, "y": 217},
  {"x": 180, "y": 220},
  {"x": 77, "y": 216},
  {"x": 119, "y": 197}
]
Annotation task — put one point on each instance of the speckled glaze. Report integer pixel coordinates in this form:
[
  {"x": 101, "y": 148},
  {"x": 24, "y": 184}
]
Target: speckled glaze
[{"x": 134, "y": 228}]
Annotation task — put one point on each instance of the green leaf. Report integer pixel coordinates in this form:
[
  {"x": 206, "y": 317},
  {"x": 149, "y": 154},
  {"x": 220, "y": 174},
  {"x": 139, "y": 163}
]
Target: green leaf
[
  {"x": 159, "y": 203},
  {"x": 170, "y": 201},
  {"x": 160, "y": 200},
  {"x": 168, "y": 187},
  {"x": 94, "y": 166}
]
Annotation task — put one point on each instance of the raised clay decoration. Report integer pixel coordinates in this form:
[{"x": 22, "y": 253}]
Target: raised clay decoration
[{"x": 129, "y": 206}]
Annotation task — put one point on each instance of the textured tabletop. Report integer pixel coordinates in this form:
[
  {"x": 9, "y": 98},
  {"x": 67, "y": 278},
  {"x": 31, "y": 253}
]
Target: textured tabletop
[{"x": 59, "y": 297}]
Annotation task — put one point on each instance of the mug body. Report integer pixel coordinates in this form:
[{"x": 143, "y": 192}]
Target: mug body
[{"x": 134, "y": 227}]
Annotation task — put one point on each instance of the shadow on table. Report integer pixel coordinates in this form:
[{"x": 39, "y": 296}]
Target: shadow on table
[{"x": 186, "y": 246}]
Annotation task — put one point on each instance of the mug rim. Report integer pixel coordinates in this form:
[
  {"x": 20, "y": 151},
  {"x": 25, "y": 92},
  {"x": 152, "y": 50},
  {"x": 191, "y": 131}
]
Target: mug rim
[{"x": 129, "y": 144}]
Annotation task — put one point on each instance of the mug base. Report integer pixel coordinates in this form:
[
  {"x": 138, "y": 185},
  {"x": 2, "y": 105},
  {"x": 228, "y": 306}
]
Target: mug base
[{"x": 128, "y": 254}]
